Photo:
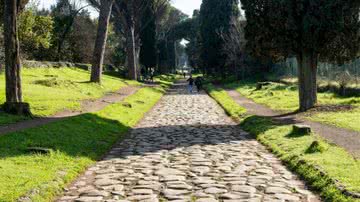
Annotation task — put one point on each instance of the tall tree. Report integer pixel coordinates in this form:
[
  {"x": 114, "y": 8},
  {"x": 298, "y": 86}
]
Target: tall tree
[
  {"x": 148, "y": 37},
  {"x": 14, "y": 101},
  {"x": 128, "y": 12},
  {"x": 168, "y": 34},
  {"x": 65, "y": 13},
  {"x": 233, "y": 48},
  {"x": 2, "y": 5},
  {"x": 79, "y": 45},
  {"x": 100, "y": 43},
  {"x": 215, "y": 17},
  {"x": 193, "y": 47},
  {"x": 311, "y": 30}
]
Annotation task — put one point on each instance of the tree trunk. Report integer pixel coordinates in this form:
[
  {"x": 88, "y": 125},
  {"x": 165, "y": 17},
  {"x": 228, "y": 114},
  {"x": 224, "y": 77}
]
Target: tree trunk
[
  {"x": 62, "y": 39},
  {"x": 131, "y": 53},
  {"x": 137, "y": 58},
  {"x": 14, "y": 100},
  {"x": 100, "y": 43},
  {"x": 307, "y": 80}
]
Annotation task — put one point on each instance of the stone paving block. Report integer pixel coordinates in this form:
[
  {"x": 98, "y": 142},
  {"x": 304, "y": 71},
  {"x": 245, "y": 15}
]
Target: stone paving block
[{"x": 188, "y": 150}]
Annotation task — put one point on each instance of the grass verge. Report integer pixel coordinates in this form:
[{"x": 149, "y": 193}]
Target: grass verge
[
  {"x": 232, "y": 109},
  {"x": 324, "y": 168},
  {"x": 284, "y": 97},
  {"x": 75, "y": 144},
  {"x": 50, "y": 90}
]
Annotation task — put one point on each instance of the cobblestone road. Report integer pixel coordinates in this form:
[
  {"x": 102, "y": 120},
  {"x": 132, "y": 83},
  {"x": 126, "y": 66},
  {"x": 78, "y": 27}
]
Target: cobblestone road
[{"x": 187, "y": 149}]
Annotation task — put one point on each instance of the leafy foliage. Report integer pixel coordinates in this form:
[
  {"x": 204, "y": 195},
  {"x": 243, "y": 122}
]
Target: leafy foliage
[
  {"x": 35, "y": 32},
  {"x": 166, "y": 40},
  {"x": 194, "y": 45},
  {"x": 148, "y": 37},
  {"x": 307, "y": 29},
  {"x": 215, "y": 17},
  {"x": 283, "y": 28}
]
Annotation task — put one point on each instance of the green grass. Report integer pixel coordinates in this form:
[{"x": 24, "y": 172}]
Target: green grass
[
  {"x": 283, "y": 97},
  {"x": 346, "y": 119},
  {"x": 300, "y": 154},
  {"x": 294, "y": 149},
  {"x": 76, "y": 143},
  {"x": 166, "y": 80},
  {"x": 234, "y": 110},
  {"x": 50, "y": 90}
]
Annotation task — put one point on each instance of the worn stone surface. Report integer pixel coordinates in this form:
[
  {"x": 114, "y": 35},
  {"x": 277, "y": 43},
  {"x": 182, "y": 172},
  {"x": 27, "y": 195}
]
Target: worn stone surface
[{"x": 187, "y": 149}]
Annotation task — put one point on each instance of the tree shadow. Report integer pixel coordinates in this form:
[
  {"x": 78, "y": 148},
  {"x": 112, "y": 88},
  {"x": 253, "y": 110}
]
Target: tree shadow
[
  {"x": 83, "y": 135},
  {"x": 293, "y": 134},
  {"x": 145, "y": 141},
  {"x": 258, "y": 125},
  {"x": 90, "y": 135},
  {"x": 84, "y": 82},
  {"x": 287, "y": 114}
]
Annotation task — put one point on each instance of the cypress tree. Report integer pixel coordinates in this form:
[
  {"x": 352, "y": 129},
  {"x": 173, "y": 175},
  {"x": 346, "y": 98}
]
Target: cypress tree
[{"x": 215, "y": 17}]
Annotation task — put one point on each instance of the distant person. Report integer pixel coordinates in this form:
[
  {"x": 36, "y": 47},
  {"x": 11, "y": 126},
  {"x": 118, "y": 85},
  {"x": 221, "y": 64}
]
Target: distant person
[
  {"x": 191, "y": 84},
  {"x": 184, "y": 75},
  {"x": 198, "y": 83},
  {"x": 152, "y": 75}
]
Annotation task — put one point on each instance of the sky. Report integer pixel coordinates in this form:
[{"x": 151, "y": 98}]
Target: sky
[{"x": 187, "y": 6}]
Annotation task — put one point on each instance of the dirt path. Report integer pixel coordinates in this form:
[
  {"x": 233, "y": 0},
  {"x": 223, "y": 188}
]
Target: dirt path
[
  {"x": 347, "y": 139},
  {"x": 187, "y": 150},
  {"x": 87, "y": 106}
]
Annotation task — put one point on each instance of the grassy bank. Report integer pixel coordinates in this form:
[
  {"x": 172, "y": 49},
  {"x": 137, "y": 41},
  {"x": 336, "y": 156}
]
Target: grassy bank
[
  {"x": 299, "y": 152},
  {"x": 50, "y": 90},
  {"x": 284, "y": 97},
  {"x": 75, "y": 144},
  {"x": 234, "y": 110}
]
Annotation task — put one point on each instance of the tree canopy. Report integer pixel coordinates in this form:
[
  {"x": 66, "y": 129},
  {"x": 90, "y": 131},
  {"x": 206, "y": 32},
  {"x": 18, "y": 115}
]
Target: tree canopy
[
  {"x": 285, "y": 28},
  {"x": 310, "y": 30},
  {"x": 148, "y": 36},
  {"x": 215, "y": 17},
  {"x": 35, "y": 32}
]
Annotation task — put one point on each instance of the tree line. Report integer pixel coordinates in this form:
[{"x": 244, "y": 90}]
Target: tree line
[
  {"x": 222, "y": 41},
  {"x": 130, "y": 33},
  {"x": 311, "y": 31}
]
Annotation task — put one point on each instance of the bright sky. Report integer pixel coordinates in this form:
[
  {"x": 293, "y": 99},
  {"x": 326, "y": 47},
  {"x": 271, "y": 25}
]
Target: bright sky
[
  {"x": 187, "y": 6},
  {"x": 47, "y": 3}
]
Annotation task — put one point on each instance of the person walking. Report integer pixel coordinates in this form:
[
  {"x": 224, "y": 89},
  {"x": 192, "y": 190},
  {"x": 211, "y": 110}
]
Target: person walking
[
  {"x": 191, "y": 84},
  {"x": 198, "y": 83}
]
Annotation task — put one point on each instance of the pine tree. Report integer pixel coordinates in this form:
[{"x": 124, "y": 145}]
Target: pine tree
[
  {"x": 100, "y": 43},
  {"x": 148, "y": 37}
]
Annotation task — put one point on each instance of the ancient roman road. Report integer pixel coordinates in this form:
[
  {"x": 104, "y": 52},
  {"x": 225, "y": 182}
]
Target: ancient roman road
[{"x": 188, "y": 149}]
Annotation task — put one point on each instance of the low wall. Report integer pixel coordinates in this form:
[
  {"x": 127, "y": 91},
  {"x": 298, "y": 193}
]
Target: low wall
[
  {"x": 40, "y": 64},
  {"x": 46, "y": 64}
]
